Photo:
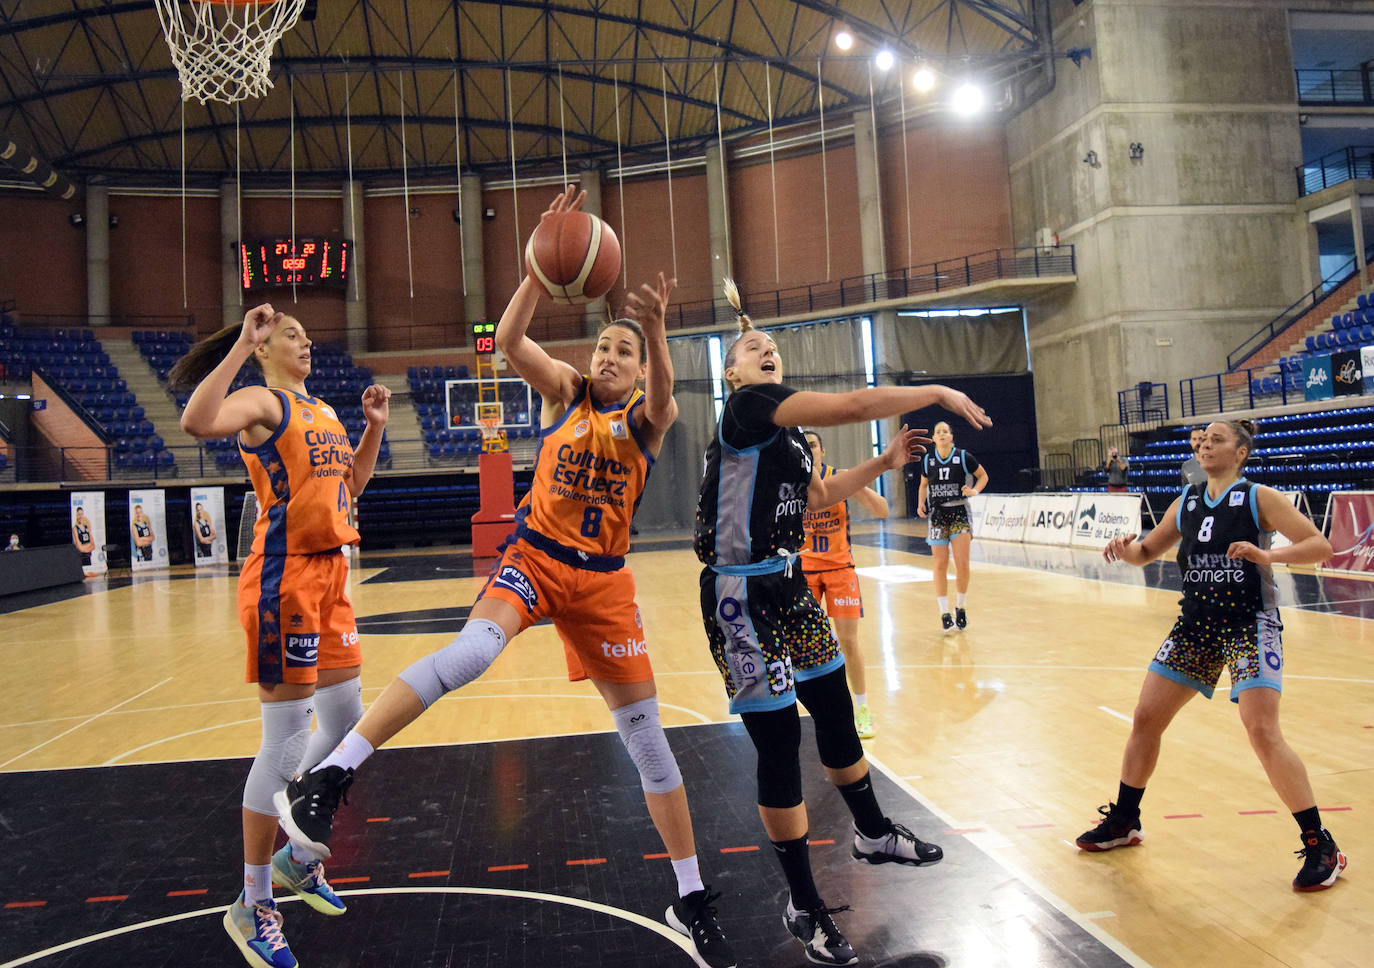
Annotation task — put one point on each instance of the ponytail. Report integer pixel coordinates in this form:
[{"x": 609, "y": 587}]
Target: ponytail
[
  {"x": 745, "y": 323},
  {"x": 203, "y": 357}
]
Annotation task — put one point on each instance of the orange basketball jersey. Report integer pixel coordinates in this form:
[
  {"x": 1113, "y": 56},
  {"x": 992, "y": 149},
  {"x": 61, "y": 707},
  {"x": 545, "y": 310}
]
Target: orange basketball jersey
[
  {"x": 588, "y": 477},
  {"x": 299, "y": 476},
  {"x": 827, "y": 535}
]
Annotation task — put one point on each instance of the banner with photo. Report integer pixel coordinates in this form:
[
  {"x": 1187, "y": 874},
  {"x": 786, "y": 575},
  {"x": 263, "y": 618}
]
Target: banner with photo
[
  {"x": 88, "y": 530},
  {"x": 1346, "y": 378},
  {"x": 207, "y": 526},
  {"x": 1102, "y": 517},
  {"x": 1352, "y": 531},
  {"x": 1367, "y": 367},
  {"x": 1051, "y": 518},
  {"x": 148, "y": 529}
]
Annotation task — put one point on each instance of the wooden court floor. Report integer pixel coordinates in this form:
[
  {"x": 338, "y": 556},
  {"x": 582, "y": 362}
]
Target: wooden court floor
[{"x": 1010, "y": 732}]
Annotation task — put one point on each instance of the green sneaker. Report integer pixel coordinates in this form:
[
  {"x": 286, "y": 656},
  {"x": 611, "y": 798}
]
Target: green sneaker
[
  {"x": 863, "y": 722},
  {"x": 307, "y": 881}
]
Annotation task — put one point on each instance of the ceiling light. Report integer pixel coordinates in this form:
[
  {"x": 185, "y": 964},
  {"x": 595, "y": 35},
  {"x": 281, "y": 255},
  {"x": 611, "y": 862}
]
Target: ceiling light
[
  {"x": 968, "y": 98},
  {"x": 884, "y": 60},
  {"x": 844, "y": 40},
  {"x": 923, "y": 79}
]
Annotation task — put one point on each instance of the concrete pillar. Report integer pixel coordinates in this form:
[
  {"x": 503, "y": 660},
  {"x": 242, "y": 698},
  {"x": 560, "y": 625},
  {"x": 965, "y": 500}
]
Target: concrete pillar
[
  {"x": 355, "y": 289},
  {"x": 870, "y": 193},
  {"x": 231, "y": 265},
  {"x": 589, "y": 181},
  {"x": 718, "y": 215},
  {"x": 1357, "y": 227},
  {"x": 98, "y": 255},
  {"x": 474, "y": 267}
]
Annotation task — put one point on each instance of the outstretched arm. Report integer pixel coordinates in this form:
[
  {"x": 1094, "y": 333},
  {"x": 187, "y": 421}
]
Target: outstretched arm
[
  {"x": 873, "y": 502},
  {"x": 1309, "y": 546},
  {"x": 811, "y": 408},
  {"x": 649, "y": 307},
  {"x": 906, "y": 445}
]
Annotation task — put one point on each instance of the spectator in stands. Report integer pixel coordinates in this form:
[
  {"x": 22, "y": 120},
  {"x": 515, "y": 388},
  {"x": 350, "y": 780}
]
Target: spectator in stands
[
  {"x": 1115, "y": 465},
  {"x": 302, "y": 638},
  {"x": 1229, "y": 620},
  {"x": 14, "y": 544},
  {"x": 1192, "y": 471}
]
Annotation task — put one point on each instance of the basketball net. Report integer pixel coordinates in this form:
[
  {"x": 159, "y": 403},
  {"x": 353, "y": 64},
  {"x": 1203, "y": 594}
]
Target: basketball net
[
  {"x": 222, "y": 49},
  {"x": 493, "y": 437}
]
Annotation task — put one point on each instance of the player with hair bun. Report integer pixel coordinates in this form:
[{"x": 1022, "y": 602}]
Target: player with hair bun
[{"x": 1229, "y": 619}]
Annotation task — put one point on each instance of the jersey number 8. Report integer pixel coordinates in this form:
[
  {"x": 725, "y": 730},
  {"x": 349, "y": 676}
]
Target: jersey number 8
[{"x": 1204, "y": 533}]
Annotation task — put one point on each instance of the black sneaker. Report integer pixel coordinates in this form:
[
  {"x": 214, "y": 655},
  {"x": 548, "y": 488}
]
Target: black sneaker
[
  {"x": 816, "y": 930},
  {"x": 695, "y": 917},
  {"x": 1116, "y": 829},
  {"x": 946, "y": 621},
  {"x": 1322, "y": 861},
  {"x": 306, "y": 807},
  {"x": 900, "y": 846},
  {"x": 961, "y": 618}
]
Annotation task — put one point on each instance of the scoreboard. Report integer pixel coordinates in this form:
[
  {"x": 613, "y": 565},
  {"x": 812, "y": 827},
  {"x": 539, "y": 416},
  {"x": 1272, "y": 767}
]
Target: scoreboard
[
  {"x": 300, "y": 261},
  {"x": 484, "y": 337}
]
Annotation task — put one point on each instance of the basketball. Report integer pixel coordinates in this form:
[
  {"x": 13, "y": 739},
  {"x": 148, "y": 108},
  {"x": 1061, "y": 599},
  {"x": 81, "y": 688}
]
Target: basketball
[{"x": 574, "y": 255}]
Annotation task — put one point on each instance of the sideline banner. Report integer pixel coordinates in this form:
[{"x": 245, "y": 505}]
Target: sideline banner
[
  {"x": 1050, "y": 519},
  {"x": 1004, "y": 517},
  {"x": 148, "y": 529},
  {"x": 1352, "y": 528},
  {"x": 207, "y": 526},
  {"x": 1277, "y": 540},
  {"x": 1102, "y": 517},
  {"x": 976, "y": 506},
  {"x": 88, "y": 530}
]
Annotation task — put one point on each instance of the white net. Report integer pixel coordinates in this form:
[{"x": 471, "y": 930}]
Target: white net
[{"x": 222, "y": 49}]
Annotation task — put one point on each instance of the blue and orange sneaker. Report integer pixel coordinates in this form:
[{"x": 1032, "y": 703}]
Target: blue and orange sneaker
[
  {"x": 257, "y": 932},
  {"x": 307, "y": 881}
]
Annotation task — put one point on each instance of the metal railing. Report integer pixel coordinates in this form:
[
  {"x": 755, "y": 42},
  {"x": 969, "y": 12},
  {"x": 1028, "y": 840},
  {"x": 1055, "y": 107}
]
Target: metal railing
[
  {"x": 1334, "y": 87},
  {"x": 1263, "y": 386},
  {"x": 1144, "y": 403},
  {"x": 1333, "y": 168}
]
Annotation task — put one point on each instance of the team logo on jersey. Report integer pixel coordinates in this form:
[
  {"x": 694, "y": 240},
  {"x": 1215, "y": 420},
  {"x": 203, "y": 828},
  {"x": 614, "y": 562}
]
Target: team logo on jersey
[
  {"x": 307, "y": 415},
  {"x": 516, "y": 581},
  {"x": 582, "y": 428},
  {"x": 618, "y": 430},
  {"x": 1192, "y": 503},
  {"x": 1237, "y": 498},
  {"x": 301, "y": 650}
]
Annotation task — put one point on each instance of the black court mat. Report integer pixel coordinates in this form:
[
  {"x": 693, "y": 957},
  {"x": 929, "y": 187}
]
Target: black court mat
[{"x": 534, "y": 853}]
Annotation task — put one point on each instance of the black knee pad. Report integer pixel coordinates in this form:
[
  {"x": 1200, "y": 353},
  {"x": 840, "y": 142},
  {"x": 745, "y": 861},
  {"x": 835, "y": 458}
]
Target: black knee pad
[
  {"x": 777, "y": 741},
  {"x": 827, "y": 699}
]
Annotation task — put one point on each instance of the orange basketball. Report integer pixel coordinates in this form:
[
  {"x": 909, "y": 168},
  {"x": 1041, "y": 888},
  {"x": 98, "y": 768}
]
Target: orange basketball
[{"x": 574, "y": 255}]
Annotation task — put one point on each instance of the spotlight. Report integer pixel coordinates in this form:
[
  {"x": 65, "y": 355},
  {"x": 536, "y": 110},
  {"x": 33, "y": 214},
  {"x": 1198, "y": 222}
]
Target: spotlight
[
  {"x": 967, "y": 99},
  {"x": 923, "y": 79},
  {"x": 884, "y": 60},
  {"x": 77, "y": 220},
  {"x": 488, "y": 214},
  {"x": 844, "y": 40}
]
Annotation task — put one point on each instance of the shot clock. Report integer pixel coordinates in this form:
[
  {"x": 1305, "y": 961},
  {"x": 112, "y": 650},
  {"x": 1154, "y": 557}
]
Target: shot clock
[
  {"x": 302, "y": 261},
  {"x": 484, "y": 337}
]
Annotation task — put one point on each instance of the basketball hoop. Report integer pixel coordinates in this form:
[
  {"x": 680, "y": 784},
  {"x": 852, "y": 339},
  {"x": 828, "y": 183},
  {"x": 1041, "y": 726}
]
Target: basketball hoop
[
  {"x": 493, "y": 438},
  {"x": 222, "y": 49}
]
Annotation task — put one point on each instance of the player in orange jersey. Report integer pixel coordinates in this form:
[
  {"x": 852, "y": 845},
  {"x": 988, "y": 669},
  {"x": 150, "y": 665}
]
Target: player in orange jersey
[
  {"x": 600, "y": 435},
  {"x": 293, "y": 600},
  {"x": 828, "y": 565}
]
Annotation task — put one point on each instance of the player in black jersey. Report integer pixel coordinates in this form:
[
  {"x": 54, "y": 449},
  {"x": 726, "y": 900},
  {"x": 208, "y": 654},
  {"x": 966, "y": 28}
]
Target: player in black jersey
[
  {"x": 1223, "y": 530},
  {"x": 770, "y": 638},
  {"x": 949, "y": 477},
  {"x": 204, "y": 533}
]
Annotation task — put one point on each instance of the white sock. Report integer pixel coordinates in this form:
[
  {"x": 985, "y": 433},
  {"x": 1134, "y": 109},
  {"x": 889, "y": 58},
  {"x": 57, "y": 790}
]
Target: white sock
[
  {"x": 944, "y": 603},
  {"x": 688, "y": 875},
  {"x": 257, "y": 883},
  {"x": 861, "y": 699},
  {"x": 960, "y": 599},
  {"x": 348, "y": 755},
  {"x": 301, "y": 855}
]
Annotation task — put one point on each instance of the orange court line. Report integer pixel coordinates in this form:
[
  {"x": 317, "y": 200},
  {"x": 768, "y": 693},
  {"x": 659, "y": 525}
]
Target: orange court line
[
  {"x": 1182, "y": 816},
  {"x": 655, "y": 856},
  {"x": 107, "y": 897},
  {"x": 738, "y": 850},
  {"x": 349, "y": 880},
  {"x": 1335, "y": 809},
  {"x": 509, "y": 867},
  {"x": 24, "y": 904},
  {"x": 820, "y": 843},
  {"x": 588, "y": 860},
  {"x": 199, "y": 890},
  {"x": 378, "y": 819},
  {"x": 428, "y": 874}
]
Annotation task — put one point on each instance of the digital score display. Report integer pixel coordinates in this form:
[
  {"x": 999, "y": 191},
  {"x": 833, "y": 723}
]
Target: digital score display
[
  {"x": 302, "y": 261},
  {"x": 484, "y": 337}
]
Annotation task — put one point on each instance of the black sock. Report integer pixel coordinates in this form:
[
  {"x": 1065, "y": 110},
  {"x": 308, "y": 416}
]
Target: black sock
[
  {"x": 1128, "y": 799},
  {"x": 868, "y": 816},
  {"x": 1309, "y": 819},
  {"x": 795, "y": 858}
]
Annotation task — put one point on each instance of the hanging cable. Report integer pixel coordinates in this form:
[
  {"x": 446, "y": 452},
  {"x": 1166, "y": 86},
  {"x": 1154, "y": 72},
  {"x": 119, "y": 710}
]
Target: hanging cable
[
  {"x": 291, "y": 93},
  {"x": 405, "y": 181},
  {"x": 458, "y": 168},
  {"x": 906, "y": 171},
  {"x": 825, "y": 179},
  {"x": 241, "y": 254},
  {"x": 562, "y": 126},
  {"x": 620, "y": 175},
  {"x": 514, "y": 185},
  {"x": 877, "y": 175},
  {"x": 352, "y": 208},
  {"x": 720, "y": 141},
  {"x": 184, "y": 295},
  {"x": 772, "y": 175},
  {"x": 668, "y": 152}
]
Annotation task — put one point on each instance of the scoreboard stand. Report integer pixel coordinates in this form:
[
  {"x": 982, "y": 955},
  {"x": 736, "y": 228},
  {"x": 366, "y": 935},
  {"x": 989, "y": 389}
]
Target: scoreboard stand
[{"x": 495, "y": 518}]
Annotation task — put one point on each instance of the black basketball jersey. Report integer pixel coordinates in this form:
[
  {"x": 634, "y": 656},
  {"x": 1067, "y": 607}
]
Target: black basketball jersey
[
  {"x": 753, "y": 490},
  {"x": 83, "y": 533},
  {"x": 204, "y": 525},
  {"x": 1214, "y": 586},
  {"x": 946, "y": 477},
  {"x": 144, "y": 528}
]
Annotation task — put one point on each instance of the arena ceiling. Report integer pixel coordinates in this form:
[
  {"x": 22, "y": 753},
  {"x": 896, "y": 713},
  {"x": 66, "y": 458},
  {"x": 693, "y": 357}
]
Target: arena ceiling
[{"x": 88, "y": 86}]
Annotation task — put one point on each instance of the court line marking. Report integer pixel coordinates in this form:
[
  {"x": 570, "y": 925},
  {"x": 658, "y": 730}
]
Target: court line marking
[
  {"x": 1045, "y": 894},
  {"x": 1112, "y": 712},
  {"x": 89, "y": 719},
  {"x": 637, "y": 920}
]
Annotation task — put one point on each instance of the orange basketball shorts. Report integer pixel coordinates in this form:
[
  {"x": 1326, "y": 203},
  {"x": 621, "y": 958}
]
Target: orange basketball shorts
[
  {"x": 838, "y": 590},
  {"x": 297, "y": 616},
  {"x": 594, "y": 612}
]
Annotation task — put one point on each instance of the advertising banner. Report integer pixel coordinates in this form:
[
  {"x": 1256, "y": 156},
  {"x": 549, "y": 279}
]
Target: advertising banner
[
  {"x": 88, "y": 530},
  {"x": 1004, "y": 517},
  {"x": 1367, "y": 367},
  {"x": 1278, "y": 540},
  {"x": 1346, "y": 380},
  {"x": 1352, "y": 527},
  {"x": 977, "y": 505},
  {"x": 207, "y": 526},
  {"x": 1316, "y": 373},
  {"x": 148, "y": 529},
  {"x": 1050, "y": 519},
  {"x": 1102, "y": 517}
]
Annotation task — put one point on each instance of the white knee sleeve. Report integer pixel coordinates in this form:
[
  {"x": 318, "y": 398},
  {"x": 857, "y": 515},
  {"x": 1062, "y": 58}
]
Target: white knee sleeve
[
  {"x": 337, "y": 709},
  {"x": 285, "y": 731},
  {"x": 458, "y": 663},
  {"x": 643, "y": 735}
]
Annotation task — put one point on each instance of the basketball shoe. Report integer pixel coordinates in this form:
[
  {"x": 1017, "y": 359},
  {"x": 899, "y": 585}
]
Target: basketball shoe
[
  {"x": 898, "y": 846},
  {"x": 816, "y": 930},
  {"x": 1322, "y": 861},
  {"x": 307, "y": 881},
  {"x": 863, "y": 722},
  {"x": 1116, "y": 829},
  {"x": 961, "y": 618},
  {"x": 695, "y": 917},
  {"x": 946, "y": 621},
  {"x": 257, "y": 932},
  {"x": 306, "y": 807}
]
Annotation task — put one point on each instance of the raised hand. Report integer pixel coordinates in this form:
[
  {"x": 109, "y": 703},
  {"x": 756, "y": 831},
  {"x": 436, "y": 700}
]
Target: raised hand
[
  {"x": 569, "y": 201},
  {"x": 377, "y": 405},
  {"x": 258, "y": 324},
  {"x": 956, "y": 401},
  {"x": 906, "y": 445},
  {"x": 649, "y": 306}
]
